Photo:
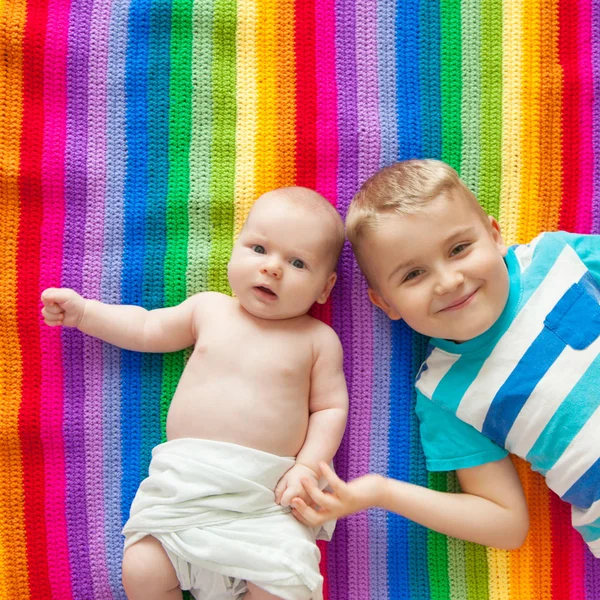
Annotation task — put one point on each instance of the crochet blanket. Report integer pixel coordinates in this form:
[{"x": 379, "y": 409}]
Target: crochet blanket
[{"x": 134, "y": 137}]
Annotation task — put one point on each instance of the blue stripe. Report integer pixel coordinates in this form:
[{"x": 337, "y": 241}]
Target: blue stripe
[
  {"x": 407, "y": 80},
  {"x": 574, "y": 412},
  {"x": 591, "y": 532},
  {"x": 399, "y": 439},
  {"x": 515, "y": 391},
  {"x": 586, "y": 490},
  {"x": 135, "y": 193}
]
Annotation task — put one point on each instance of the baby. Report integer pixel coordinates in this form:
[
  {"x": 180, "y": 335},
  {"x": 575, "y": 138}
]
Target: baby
[
  {"x": 513, "y": 364},
  {"x": 261, "y": 402}
]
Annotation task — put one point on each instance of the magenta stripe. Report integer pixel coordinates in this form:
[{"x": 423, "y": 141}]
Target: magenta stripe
[
  {"x": 55, "y": 57},
  {"x": 586, "y": 151},
  {"x": 92, "y": 269},
  {"x": 595, "y": 56},
  {"x": 327, "y": 146}
]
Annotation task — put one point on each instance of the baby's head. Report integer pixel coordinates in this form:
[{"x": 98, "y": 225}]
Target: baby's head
[
  {"x": 285, "y": 257},
  {"x": 431, "y": 255}
]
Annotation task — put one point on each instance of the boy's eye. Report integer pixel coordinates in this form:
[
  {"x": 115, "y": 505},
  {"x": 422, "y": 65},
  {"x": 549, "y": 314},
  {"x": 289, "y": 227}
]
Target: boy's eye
[
  {"x": 458, "y": 249},
  {"x": 299, "y": 264},
  {"x": 412, "y": 275},
  {"x": 259, "y": 249}
]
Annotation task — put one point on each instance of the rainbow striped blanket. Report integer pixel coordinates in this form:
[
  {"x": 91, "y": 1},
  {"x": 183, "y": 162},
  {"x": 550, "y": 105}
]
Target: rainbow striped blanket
[{"x": 134, "y": 137}]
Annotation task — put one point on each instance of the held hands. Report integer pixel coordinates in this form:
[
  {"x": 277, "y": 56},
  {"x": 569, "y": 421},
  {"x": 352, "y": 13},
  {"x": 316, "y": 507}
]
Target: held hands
[
  {"x": 346, "y": 498},
  {"x": 62, "y": 306},
  {"x": 290, "y": 485}
]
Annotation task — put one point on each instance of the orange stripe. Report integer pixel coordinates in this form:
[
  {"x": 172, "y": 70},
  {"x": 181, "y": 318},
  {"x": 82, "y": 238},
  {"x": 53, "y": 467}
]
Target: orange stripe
[{"x": 13, "y": 557}]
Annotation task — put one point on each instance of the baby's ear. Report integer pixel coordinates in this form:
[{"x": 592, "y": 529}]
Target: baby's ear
[
  {"x": 377, "y": 299},
  {"x": 327, "y": 289}
]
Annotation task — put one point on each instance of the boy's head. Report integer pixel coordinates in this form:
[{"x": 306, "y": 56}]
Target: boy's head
[
  {"x": 431, "y": 255},
  {"x": 285, "y": 257}
]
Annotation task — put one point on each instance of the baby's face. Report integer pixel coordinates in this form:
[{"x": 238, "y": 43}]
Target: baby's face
[
  {"x": 441, "y": 270},
  {"x": 280, "y": 264}
]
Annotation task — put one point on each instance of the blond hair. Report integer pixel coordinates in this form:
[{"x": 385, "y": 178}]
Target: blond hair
[{"x": 402, "y": 188}]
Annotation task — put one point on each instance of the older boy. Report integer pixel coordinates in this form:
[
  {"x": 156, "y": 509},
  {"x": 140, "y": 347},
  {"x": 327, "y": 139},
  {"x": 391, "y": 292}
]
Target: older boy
[
  {"x": 513, "y": 364},
  {"x": 261, "y": 401}
]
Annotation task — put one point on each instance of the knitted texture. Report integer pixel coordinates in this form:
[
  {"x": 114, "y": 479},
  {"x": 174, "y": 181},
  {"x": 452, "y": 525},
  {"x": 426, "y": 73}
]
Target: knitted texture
[{"x": 135, "y": 136}]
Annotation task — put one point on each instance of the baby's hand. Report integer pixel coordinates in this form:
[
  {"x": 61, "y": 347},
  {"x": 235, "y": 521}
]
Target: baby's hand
[
  {"x": 290, "y": 485},
  {"x": 345, "y": 498},
  {"x": 62, "y": 307}
]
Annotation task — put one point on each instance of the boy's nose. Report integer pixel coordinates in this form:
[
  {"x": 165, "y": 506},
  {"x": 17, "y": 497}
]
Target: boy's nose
[{"x": 448, "y": 281}]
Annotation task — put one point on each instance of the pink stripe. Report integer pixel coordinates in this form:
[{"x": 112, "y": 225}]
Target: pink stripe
[
  {"x": 92, "y": 269},
  {"x": 55, "y": 102},
  {"x": 586, "y": 151},
  {"x": 327, "y": 134},
  {"x": 577, "y": 549}
]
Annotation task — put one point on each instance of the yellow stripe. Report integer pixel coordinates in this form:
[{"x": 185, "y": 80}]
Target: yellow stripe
[
  {"x": 267, "y": 73},
  {"x": 511, "y": 109},
  {"x": 285, "y": 172},
  {"x": 247, "y": 110},
  {"x": 14, "y": 581},
  {"x": 498, "y": 580}
]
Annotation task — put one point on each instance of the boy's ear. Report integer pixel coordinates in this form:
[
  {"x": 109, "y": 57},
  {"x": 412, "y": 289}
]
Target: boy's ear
[
  {"x": 378, "y": 300},
  {"x": 327, "y": 289},
  {"x": 497, "y": 236}
]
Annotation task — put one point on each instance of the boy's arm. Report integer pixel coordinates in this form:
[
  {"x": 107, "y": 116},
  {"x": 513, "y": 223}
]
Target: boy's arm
[
  {"x": 491, "y": 510},
  {"x": 328, "y": 408},
  {"x": 128, "y": 327}
]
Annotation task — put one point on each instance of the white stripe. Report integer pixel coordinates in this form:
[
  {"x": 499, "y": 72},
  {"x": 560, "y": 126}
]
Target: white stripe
[
  {"x": 578, "y": 457},
  {"x": 548, "y": 395},
  {"x": 581, "y": 517},
  {"x": 524, "y": 253},
  {"x": 525, "y": 328},
  {"x": 438, "y": 364}
]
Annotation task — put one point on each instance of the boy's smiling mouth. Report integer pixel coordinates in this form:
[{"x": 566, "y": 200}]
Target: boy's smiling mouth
[{"x": 460, "y": 303}]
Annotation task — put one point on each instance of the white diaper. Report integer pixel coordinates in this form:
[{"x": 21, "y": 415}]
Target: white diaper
[{"x": 211, "y": 505}]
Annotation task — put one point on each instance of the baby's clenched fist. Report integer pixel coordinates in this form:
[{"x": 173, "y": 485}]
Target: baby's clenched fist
[{"x": 62, "y": 306}]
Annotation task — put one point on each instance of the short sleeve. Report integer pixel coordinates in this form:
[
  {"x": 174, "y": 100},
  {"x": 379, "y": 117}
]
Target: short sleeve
[{"x": 449, "y": 443}]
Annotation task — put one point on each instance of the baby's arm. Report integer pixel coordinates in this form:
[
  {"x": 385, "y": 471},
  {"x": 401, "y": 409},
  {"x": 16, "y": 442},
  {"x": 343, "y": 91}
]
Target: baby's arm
[
  {"x": 491, "y": 510},
  {"x": 328, "y": 408},
  {"x": 128, "y": 327}
]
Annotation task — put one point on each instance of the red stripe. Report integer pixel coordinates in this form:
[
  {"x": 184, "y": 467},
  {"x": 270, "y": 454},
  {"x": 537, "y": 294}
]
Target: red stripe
[
  {"x": 28, "y": 265},
  {"x": 571, "y": 137},
  {"x": 306, "y": 95},
  {"x": 561, "y": 533}
]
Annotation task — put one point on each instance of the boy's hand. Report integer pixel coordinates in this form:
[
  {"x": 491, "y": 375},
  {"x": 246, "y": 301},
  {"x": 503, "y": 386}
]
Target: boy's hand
[
  {"x": 347, "y": 498},
  {"x": 62, "y": 306},
  {"x": 290, "y": 485}
]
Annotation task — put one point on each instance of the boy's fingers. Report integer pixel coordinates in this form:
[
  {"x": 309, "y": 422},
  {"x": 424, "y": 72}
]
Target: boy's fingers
[
  {"x": 336, "y": 484},
  {"x": 316, "y": 494},
  {"x": 310, "y": 515}
]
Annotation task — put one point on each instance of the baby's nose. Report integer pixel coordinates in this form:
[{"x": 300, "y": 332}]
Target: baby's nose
[{"x": 272, "y": 270}]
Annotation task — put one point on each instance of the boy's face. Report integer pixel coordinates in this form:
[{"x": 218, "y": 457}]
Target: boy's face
[
  {"x": 280, "y": 264},
  {"x": 441, "y": 270}
]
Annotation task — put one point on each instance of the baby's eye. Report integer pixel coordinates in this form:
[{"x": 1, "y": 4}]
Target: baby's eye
[
  {"x": 259, "y": 249},
  {"x": 458, "y": 249},
  {"x": 299, "y": 264},
  {"x": 412, "y": 274}
]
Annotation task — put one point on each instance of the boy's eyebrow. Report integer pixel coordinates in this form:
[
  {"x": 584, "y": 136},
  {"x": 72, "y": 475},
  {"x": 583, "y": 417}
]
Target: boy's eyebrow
[{"x": 454, "y": 235}]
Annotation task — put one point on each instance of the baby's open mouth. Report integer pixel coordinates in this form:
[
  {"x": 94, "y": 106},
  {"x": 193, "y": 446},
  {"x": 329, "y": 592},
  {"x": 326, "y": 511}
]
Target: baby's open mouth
[{"x": 266, "y": 290}]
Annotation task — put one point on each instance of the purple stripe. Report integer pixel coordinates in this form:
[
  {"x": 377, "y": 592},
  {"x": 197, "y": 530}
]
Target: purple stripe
[
  {"x": 75, "y": 197},
  {"x": 93, "y": 423},
  {"x": 369, "y": 142},
  {"x": 339, "y": 576},
  {"x": 111, "y": 287}
]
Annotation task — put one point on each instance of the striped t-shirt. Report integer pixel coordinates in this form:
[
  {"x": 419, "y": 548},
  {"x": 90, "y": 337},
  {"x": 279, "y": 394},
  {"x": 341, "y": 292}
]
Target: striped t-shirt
[{"x": 531, "y": 383}]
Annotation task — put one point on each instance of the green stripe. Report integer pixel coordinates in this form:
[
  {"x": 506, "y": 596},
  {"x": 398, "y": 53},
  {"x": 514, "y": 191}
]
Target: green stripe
[
  {"x": 200, "y": 166},
  {"x": 451, "y": 81},
  {"x": 471, "y": 99},
  {"x": 223, "y": 142},
  {"x": 491, "y": 106},
  {"x": 437, "y": 549},
  {"x": 178, "y": 187}
]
